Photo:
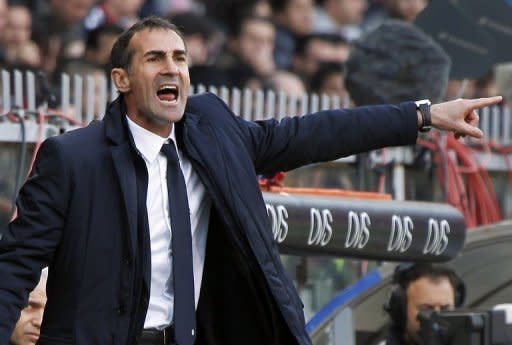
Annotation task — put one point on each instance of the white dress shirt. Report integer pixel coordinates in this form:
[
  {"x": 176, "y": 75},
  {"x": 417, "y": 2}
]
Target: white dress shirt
[{"x": 161, "y": 300}]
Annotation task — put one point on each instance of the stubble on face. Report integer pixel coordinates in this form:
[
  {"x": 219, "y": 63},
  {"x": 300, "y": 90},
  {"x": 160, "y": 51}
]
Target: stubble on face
[
  {"x": 426, "y": 293},
  {"x": 159, "y": 80}
]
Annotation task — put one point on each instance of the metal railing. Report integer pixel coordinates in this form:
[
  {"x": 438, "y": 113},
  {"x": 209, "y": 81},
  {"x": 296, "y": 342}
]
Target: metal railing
[{"x": 79, "y": 96}]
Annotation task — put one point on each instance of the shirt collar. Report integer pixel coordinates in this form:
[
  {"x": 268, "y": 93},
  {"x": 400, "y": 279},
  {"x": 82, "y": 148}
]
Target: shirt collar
[{"x": 148, "y": 143}]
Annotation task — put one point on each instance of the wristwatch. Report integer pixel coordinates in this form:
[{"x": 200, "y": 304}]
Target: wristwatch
[{"x": 424, "y": 107}]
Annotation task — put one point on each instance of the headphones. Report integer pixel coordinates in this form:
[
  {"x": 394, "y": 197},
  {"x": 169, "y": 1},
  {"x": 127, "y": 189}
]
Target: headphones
[{"x": 396, "y": 305}]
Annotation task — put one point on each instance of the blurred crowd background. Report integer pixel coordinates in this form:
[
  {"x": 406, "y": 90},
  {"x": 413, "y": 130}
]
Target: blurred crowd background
[{"x": 295, "y": 46}]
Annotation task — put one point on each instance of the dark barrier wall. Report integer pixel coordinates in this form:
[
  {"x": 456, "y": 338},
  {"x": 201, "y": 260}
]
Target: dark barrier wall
[{"x": 366, "y": 229}]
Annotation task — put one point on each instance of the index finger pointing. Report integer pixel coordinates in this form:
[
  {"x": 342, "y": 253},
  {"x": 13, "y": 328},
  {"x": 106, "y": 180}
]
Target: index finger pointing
[{"x": 485, "y": 102}]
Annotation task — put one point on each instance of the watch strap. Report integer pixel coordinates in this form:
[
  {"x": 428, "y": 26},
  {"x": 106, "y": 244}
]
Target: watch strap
[{"x": 424, "y": 108}]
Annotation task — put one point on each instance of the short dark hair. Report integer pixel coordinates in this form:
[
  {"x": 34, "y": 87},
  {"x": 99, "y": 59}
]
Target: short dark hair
[
  {"x": 192, "y": 23},
  {"x": 325, "y": 70},
  {"x": 93, "y": 37},
  {"x": 121, "y": 55},
  {"x": 406, "y": 274},
  {"x": 303, "y": 41},
  {"x": 240, "y": 23},
  {"x": 278, "y": 6}
]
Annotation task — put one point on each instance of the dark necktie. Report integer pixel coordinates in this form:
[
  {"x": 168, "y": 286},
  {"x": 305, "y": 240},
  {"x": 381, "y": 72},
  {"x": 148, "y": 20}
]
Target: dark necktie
[{"x": 183, "y": 274}]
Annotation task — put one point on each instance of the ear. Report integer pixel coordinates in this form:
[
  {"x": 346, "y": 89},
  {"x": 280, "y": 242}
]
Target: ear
[{"x": 120, "y": 79}]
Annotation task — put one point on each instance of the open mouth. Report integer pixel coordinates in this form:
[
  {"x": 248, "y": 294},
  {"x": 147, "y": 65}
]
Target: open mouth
[{"x": 168, "y": 93}]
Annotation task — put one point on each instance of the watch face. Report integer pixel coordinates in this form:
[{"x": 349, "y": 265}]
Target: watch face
[{"x": 423, "y": 101}]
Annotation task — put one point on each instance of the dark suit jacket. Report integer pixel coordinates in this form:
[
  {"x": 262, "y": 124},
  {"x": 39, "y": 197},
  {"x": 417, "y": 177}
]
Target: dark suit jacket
[{"x": 77, "y": 213}]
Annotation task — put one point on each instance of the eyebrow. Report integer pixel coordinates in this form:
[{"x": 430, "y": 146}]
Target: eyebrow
[
  {"x": 161, "y": 52},
  {"x": 430, "y": 306}
]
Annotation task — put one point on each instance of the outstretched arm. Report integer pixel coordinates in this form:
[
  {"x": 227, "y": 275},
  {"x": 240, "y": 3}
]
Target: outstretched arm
[{"x": 460, "y": 116}]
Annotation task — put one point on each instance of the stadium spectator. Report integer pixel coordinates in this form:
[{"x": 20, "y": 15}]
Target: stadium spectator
[
  {"x": 249, "y": 53},
  {"x": 341, "y": 17},
  {"x": 293, "y": 18},
  {"x": 486, "y": 86},
  {"x": 94, "y": 63},
  {"x": 20, "y": 50},
  {"x": 99, "y": 44},
  {"x": 314, "y": 49},
  {"x": 394, "y": 63},
  {"x": 201, "y": 34},
  {"x": 122, "y": 13},
  {"x": 406, "y": 10},
  {"x": 262, "y": 8},
  {"x": 164, "y": 7},
  {"x": 227, "y": 13},
  {"x": 19, "y": 25},
  {"x": 60, "y": 32},
  {"x": 3, "y": 21},
  {"x": 330, "y": 80},
  {"x": 204, "y": 40}
]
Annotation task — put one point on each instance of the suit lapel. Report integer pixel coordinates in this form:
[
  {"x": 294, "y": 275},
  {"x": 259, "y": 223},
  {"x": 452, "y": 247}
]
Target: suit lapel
[{"x": 121, "y": 155}]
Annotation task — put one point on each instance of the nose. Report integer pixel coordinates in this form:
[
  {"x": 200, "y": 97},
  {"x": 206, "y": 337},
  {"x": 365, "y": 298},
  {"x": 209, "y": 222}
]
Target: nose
[
  {"x": 170, "y": 67},
  {"x": 37, "y": 320}
]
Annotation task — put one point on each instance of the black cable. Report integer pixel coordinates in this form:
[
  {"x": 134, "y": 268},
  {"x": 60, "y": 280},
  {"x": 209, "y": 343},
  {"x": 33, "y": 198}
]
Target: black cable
[{"x": 444, "y": 169}]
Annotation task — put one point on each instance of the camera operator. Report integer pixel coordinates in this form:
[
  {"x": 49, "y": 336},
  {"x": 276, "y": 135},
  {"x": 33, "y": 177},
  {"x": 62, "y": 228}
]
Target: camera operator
[{"x": 420, "y": 287}]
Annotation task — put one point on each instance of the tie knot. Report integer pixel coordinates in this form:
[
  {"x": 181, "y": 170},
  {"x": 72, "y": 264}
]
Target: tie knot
[{"x": 169, "y": 150}]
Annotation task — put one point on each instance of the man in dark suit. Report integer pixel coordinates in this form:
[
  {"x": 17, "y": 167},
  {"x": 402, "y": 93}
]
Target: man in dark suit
[{"x": 97, "y": 211}]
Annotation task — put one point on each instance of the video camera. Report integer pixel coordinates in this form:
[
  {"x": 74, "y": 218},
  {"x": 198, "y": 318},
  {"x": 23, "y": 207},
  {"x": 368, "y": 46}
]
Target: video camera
[{"x": 469, "y": 327}]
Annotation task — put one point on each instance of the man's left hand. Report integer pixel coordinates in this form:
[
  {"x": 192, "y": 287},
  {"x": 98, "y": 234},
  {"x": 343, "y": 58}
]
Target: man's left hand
[{"x": 460, "y": 116}]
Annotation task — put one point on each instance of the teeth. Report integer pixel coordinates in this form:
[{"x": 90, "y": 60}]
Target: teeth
[{"x": 167, "y": 87}]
